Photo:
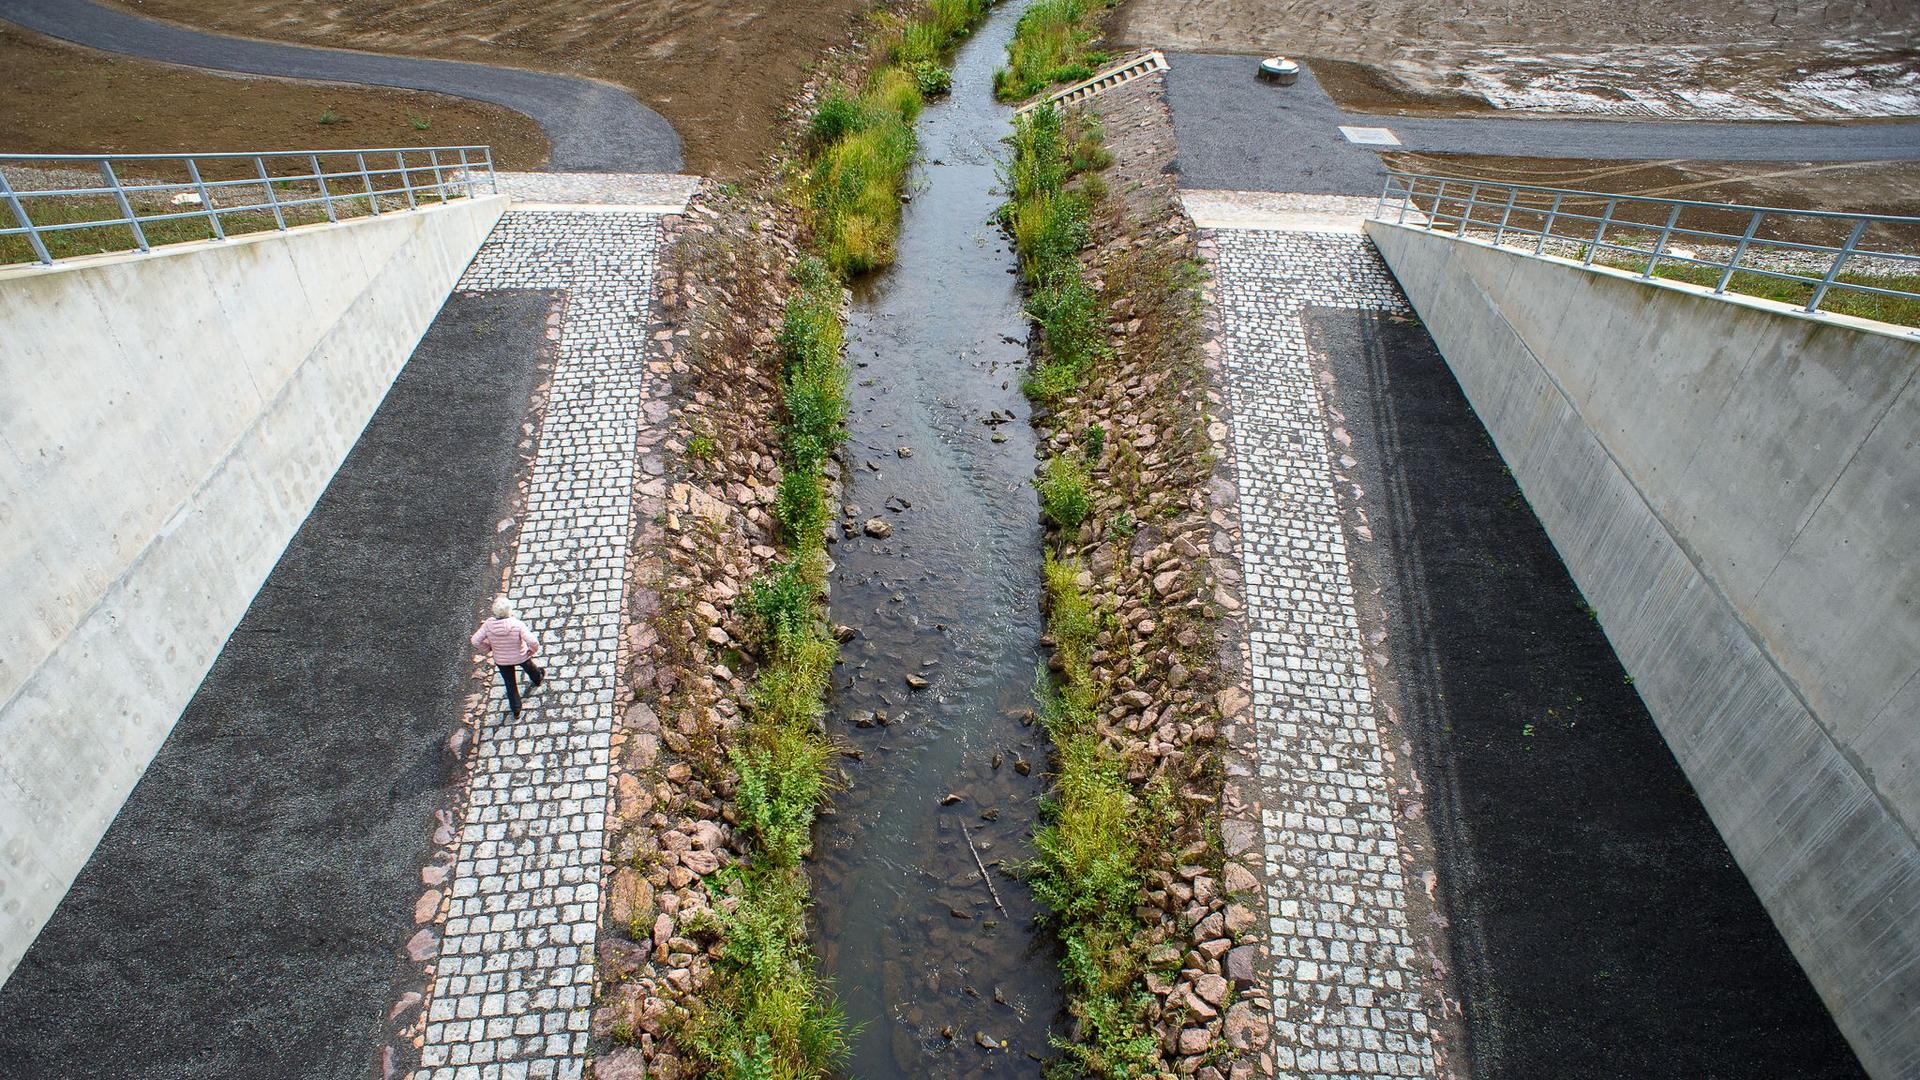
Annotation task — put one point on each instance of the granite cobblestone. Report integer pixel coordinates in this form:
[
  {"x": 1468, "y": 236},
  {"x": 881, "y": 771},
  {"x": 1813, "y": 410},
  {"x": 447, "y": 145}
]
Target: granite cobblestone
[
  {"x": 513, "y": 986},
  {"x": 1347, "y": 989}
]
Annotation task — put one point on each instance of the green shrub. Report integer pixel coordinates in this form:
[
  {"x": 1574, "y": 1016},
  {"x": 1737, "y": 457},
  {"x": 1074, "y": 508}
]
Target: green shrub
[
  {"x": 766, "y": 1013},
  {"x": 1094, "y": 440},
  {"x": 836, "y": 117},
  {"x": 1063, "y": 492},
  {"x": 779, "y": 789},
  {"x": 1089, "y": 866},
  {"x": 790, "y": 693},
  {"x": 800, "y": 504},
  {"x": 933, "y": 77},
  {"x": 780, "y": 602}
]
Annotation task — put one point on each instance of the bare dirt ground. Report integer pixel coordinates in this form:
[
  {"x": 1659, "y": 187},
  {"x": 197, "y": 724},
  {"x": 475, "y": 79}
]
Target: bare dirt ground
[
  {"x": 721, "y": 70},
  {"x": 63, "y": 99},
  {"x": 1880, "y": 187},
  {"x": 1719, "y": 59}
]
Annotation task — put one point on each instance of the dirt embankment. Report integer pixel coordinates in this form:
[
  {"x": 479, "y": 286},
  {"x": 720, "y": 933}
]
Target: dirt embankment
[
  {"x": 1723, "y": 59},
  {"x": 722, "y": 72},
  {"x": 64, "y": 99}
]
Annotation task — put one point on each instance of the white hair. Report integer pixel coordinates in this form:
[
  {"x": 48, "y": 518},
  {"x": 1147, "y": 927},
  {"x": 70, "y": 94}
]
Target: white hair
[{"x": 503, "y": 608}]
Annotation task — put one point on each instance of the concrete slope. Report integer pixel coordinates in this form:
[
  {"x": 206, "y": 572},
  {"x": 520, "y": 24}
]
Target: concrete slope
[
  {"x": 1733, "y": 488},
  {"x": 592, "y": 126}
]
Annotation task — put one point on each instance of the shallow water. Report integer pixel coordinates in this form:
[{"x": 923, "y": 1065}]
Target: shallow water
[{"x": 922, "y": 956}]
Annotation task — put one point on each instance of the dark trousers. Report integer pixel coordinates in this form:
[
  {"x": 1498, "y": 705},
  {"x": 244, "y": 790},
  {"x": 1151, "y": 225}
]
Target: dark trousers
[{"x": 534, "y": 678}]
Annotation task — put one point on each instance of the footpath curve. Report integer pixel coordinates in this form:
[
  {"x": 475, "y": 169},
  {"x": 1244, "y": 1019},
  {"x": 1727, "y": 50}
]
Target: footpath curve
[{"x": 592, "y": 126}]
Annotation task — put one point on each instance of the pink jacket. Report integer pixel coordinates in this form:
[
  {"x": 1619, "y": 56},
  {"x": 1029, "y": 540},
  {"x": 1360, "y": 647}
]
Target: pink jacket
[{"x": 507, "y": 640}]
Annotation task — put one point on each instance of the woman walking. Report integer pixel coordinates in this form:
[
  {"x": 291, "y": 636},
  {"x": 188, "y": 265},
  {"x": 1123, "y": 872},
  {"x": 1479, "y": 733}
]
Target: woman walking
[{"x": 510, "y": 645}]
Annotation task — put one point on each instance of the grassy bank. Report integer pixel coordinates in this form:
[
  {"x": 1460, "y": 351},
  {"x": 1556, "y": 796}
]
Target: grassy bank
[
  {"x": 767, "y": 1013},
  {"x": 1052, "y": 44},
  {"x": 860, "y": 140},
  {"x": 1101, "y": 830}
]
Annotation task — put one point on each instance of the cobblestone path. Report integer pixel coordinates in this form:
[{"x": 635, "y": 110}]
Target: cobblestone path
[
  {"x": 1347, "y": 993},
  {"x": 513, "y": 987}
]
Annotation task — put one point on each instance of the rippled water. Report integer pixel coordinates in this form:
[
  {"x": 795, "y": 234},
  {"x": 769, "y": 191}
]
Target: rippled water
[{"x": 921, "y": 954}]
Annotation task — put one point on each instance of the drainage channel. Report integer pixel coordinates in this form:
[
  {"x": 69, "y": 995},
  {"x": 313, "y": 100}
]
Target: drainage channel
[{"x": 931, "y": 944}]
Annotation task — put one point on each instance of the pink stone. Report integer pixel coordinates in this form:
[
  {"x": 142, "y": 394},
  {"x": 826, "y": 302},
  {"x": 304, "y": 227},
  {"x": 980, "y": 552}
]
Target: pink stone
[{"x": 428, "y": 906}]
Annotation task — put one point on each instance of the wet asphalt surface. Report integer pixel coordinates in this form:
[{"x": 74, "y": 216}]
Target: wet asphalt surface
[
  {"x": 245, "y": 914},
  {"x": 592, "y": 126},
  {"x": 1600, "y": 928},
  {"x": 1238, "y": 133}
]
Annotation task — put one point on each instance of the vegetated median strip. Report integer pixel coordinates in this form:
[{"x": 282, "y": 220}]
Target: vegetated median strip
[
  {"x": 1052, "y": 45},
  {"x": 768, "y": 1013},
  {"x": 1129, "y": 859}
]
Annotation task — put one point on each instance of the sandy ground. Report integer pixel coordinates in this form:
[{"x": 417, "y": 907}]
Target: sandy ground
[
  {"x": 1724, "y": 59},
  {"x": 720, "y": 70},
  {"x": 63, "y": 99}
]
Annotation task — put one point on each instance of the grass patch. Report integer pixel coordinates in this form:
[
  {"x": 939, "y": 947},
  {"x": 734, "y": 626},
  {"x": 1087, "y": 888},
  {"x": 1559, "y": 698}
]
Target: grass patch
[
  {"x": 1051, "y": 45},
  {"x": 1898, "y": 310},
  {"x": 768, "y": 1015},
  {"x": 1063, "y": 491},
  {"x": 1054, "y": 161},
  {"x": 862, "y": 141},
  {"x": 1091, "y": 855}
]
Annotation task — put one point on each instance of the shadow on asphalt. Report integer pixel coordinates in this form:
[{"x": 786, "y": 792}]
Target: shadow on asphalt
[
  {"x": 243, "y": 916},
  {"x": 1600, "y": 928}
]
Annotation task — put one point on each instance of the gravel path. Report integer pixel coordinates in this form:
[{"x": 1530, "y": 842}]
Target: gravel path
[
  {"x": 1237, "y": 133},
  {"x": 591, "y": 125}
]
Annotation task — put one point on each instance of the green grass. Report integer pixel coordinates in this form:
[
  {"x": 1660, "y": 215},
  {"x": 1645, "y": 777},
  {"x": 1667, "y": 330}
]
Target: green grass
[
  {"x": 1051, "y": 45},
  {"x": 1054, "y": 161},
  {"x": 767, "y": 1013},
  {"x": 1091, "y": 854},
  {"x": 1063, "y": 491},
  {"x": 1898, "y": 310}
]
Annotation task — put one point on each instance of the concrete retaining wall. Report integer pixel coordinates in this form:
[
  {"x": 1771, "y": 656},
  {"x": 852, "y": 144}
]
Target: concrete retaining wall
[
  {"x": 168, "y": 421},
  {"x": 1737, "y": 492}
]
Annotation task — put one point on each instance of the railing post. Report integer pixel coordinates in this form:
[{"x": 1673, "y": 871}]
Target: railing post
[
  {"x": 1439, "y": 194},
  {"x": 406, "y": 178},
  {"x": 20, "y": 215},
  {"x": 326, "y": 197},
  {"x": 1546, "y": 230},
  {"x": 1839, "y": 260},
  {"x": 366, "y": 180},
  {"x": 1660, "y": 248},
  {"x": 1500, "y": 232},
  {"x": 1466, "y": 217},
  {"x": 1739, "y": 249},
  {"x": 466, "y": 172},
  {"x": 1406, "y": 199},
  {"x": 260, "y": 166},
  {"x": 206, "y": 200},
  {"x": 493, "y": 178},
  {"x": 439, "y": 179},
  {"x": 139, "y": 234},
  {"x": 1600, "y": 232}
]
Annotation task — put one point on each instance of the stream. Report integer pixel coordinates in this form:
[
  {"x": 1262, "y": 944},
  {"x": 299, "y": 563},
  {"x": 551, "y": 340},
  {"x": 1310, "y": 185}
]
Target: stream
[{"x": 942, "y": 975}]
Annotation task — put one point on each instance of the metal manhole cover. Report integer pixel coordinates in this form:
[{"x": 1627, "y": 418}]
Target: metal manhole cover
[{"x": 1369, "y": 136}]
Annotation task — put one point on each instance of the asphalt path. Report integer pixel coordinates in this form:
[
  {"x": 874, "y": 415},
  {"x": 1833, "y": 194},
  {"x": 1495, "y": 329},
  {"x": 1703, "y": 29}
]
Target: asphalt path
[
  {"x": 1238, "y": 133},
  {"x": 245, "y": 914},
  {"x": 592, "y": 126},
  {"x": 1599, "y": 927}
]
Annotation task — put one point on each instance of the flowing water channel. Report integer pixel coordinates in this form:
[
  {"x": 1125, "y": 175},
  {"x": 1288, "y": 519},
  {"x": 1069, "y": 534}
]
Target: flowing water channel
[{"x": 945, "y": 976}]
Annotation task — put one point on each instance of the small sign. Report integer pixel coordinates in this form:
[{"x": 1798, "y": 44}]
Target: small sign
[{"x": 1369, "y": 136}]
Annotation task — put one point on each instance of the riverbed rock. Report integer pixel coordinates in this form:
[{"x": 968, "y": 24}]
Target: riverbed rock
[{"x": 878, "y": 528}]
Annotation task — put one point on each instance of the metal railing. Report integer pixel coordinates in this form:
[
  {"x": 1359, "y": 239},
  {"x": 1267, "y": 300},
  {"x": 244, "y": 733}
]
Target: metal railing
[
  {"x": 46, "y": 195},
  {"x": 1820, "y": 252}
]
